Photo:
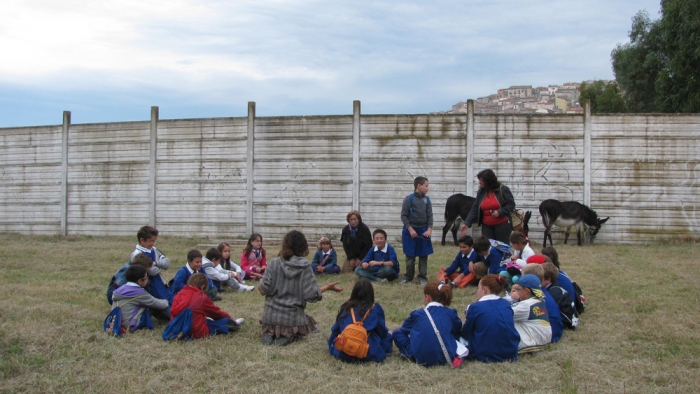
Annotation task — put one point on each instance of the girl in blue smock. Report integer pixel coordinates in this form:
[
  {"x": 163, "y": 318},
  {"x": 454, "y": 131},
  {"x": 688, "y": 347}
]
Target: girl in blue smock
[
  {"x": 417, "y": 340},
  {"x": 379, "y": 339}
]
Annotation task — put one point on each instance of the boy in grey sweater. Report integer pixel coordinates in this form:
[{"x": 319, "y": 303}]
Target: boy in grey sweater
[{"x": 417, "y": 218}]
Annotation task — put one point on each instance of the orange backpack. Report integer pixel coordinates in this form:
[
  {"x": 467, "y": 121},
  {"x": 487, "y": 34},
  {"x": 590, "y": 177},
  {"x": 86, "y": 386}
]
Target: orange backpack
[{"x": 353, "y": 340}]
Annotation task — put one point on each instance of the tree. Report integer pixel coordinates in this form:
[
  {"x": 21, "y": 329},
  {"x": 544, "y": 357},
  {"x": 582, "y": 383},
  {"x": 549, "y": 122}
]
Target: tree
[
  {"x": 659, "y": 69},
  {"x": 605, "y": 97}
]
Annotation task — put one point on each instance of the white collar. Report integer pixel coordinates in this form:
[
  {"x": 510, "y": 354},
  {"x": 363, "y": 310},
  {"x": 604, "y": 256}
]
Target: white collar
[
  {"x": 131, "y": 284},
  {"x": 434, "y": 303},
  {"x": 489, "y": 297},
  {"x": 325, "y": 253},
  {"x": 189, "y": 268},
  {"x": 386, "y": 247},
  {"x": 470, "y": 253},
  {"x": 141, "y": 248}
]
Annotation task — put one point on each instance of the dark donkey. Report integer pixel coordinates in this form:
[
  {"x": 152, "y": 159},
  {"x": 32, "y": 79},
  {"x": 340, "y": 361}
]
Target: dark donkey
[
  {"x": 565, "y": 214},
  {"x": 457, "y": 205}
]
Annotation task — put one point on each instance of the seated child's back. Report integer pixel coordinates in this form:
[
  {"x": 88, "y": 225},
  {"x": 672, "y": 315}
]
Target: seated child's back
[{"x": 135, "y": 301}]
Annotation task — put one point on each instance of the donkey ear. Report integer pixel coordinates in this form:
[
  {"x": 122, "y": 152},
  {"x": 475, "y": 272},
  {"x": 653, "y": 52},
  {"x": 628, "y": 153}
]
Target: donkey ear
[{"x": 604, "y": 220}]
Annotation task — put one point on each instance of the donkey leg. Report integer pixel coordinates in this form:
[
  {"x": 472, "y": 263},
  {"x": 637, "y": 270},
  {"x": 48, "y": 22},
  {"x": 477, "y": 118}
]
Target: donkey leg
[
  {"x": 445, "y": 230},
  {"x": 544, "y": 241},
  {"x": 578, "y": 233},
  {"x": 566, "y": 234}
]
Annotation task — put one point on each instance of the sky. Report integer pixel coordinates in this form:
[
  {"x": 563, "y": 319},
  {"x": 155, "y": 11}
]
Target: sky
[{"x": 111, "y": 61}]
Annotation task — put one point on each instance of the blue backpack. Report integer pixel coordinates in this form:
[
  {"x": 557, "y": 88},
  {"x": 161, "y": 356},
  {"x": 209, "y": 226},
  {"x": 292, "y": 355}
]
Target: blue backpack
[
  {"x": 113, "y": 322},
  {"x": 180, "y": 327},
  {"x": 117, "y": 280}
]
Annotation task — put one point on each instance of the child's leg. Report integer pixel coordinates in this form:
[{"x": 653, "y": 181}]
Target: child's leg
[
  {"x": 161, "y": 314},
  {"x": 333, "y": 270},
  {"x": 423, "y": 269},
  {"x": 403, "y": 342},
  {"x": 441, "y": 277},
  {"x": 367, "y": 274},
  {"x": 221, "y": 326},
  {"x": 410, "y": 268},
  {"x": 233, "y": 284}
]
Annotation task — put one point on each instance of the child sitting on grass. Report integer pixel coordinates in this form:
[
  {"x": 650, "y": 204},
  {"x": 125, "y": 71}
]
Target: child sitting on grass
[
  {"x": 325, "y": 260},
  {"x": 135, "y": 301},
  {"x": 119, "y": 278},
  {"x": 489, "y": 260},
  {"x": 254, "y": 258},
  {"x": 560, "y": 296},
  {"x": 228, "y": 264},
  {"x": 461, "y": 272},
  {"x": 207, "y": 318},
  {"x": 288, "y": 284},
  {"x": 220, "y": 277},
  {"x": 147, "y": 237},
  {"x": 552, "y": 308},
  {"x": 381, "y": 263},
  {"x": 530, "y": 315},
  {"x": 193, "y": 266},
  {"x": 360, "y": 303},
  {"x": 417, "y": 339}
]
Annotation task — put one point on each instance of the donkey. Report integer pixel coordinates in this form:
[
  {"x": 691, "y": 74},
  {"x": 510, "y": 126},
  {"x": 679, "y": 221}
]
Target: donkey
[
  {"x": 526, "y": 219},
  {"x": 567, "y": 214},
  {"x": 457, "y": 205}
]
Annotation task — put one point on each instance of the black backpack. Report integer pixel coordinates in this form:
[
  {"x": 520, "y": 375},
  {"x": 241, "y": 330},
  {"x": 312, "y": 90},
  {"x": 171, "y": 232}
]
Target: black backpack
[{"x": 579, "y": 299}]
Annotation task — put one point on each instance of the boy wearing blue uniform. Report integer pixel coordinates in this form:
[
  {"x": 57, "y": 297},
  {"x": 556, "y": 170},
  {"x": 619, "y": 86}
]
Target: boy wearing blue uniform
[
  {"x": 135, "y": 301},
  {"x": 380, "y": 263},
  {"x": 193, "y": 266},
  {"x": 490, "y": 258},
  {"x": 461, "y": 272},
  {"x": 147, "y": 237},
  {"x": 417, "y": 219}
]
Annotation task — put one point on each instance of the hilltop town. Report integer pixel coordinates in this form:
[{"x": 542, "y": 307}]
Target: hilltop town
[{"x": 524, "y": 99}]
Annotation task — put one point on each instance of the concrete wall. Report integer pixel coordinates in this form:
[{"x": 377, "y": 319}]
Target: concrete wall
[{"x": 225, "y": 177}]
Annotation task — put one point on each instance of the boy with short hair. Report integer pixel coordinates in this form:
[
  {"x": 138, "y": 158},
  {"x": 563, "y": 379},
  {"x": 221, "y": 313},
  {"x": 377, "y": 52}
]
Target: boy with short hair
[
  {"x": 552, "y": 307},
  {"x": 563, "y": 278},
  {"x": 380, "y": 263},
  {"x": 560, "y": 295},
  {"x": 461, "y": 272},
  {"x": 147, "y": 237},
  {"x": 207, "y": 318},
  {"x": 193, "y": 266},
  {"x": 417, "y": 219},
  {"x": 119, "y": 277},
  {"x": 530, "y": 315},
  {"x": 211, "y": 263},
  {"x": 134, "y": 300},
  {"x": 489, "y": 260}
]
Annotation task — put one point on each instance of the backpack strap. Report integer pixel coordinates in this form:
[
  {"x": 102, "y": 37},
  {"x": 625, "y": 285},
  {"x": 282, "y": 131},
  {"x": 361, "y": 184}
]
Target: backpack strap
[
  {"x": 439, "y": 337},
  {"x": 116, "y": 303},
  {"x": 352, "y": 313}
]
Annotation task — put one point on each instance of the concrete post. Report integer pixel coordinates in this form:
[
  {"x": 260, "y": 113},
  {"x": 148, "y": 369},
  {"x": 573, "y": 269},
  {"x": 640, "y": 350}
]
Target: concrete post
[
  {"x": 470, "y": 148},
  {"x": 587, "y": 153},
  {"x": 152, "y": 168},
  {"x": 250, "y": 168},
  {"x": 356, "y": 155},
  {"x": 64, "y": 173}
]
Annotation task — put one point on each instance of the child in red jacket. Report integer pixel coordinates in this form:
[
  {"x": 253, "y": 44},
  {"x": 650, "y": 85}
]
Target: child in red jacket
[{"x": 207, "y": 318}]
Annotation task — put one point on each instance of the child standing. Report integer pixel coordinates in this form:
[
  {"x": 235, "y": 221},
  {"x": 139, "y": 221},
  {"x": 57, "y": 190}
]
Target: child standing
[
  {"x": 229, "y": 265},
  {"x": 147, "y": 237},
  {"x": 381, "y": 263},
  {"x": 135, "y": 301},
  {"x": 417, "y": 338},
  {"x": 193, "y": 266},
  {"x": 360, "y": 303},
  {"x": 325, "y": 260},
  {"x": 288, "y": 284},
  {"x": 488, "y": 327},
  {"x": 193, "y": 296},
  {"x": 461, "y": 272},
  {"x": 417, "y": 219},
  {"x": 530, "y": 315},
  {"x": 254, "y": 259}
]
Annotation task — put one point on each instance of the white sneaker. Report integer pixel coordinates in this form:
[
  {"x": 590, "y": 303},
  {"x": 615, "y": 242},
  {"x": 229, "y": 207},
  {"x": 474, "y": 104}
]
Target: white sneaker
[
  {"x": 240, "y": 321},
  {"x": 244, "y": 288}
]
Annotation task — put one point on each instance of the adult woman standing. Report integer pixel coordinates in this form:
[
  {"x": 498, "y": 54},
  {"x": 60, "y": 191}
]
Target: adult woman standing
[
  {"x": 356, "y": 239},
  {"x": 492, "y": 208}
]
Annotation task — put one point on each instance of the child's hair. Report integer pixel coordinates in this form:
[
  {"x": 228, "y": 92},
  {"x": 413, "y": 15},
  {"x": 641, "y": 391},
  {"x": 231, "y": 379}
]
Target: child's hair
[
  {"x": 134, "y": 273},
  {"x": 439, "y": 293},
  {"x": 198, "y": 280},
  {"x": 489, "y": 178},
  {"x": 324, "y": 241},
  {"x": 353, "y": 213},
  {"x": 294, "y": 244},
  {"x": 249, "y": 247},
  {"x": 550, "y": 270},
  {"x": 550, "y": 252},
  {"x": 378, "y": 231},
  {"x": 467, "y": 240},
  {"x": 482, "y": 244},
  {"x": 516, "y": 237},
  {"x": 362, "y": 297},
  {"x": 146, "y": 232},
  {"x": 225, "y": 262},
  {"x": 214, "y": 254},
  {"x": 535, "y": 269},
  {"x": 143, "y": 260},
  {"x": 419, "y": 181},
  {"x": 494, "y": 282},
  {"x": 193, "y": 254}
]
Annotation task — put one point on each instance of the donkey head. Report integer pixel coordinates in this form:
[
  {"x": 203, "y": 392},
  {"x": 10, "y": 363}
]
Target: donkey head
[{"x": 593, "y": 230}]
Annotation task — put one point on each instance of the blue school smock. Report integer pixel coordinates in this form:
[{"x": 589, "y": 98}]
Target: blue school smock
[
  {"x": 416, "y": 338},
  {"x": 554, "y": 316},
  {"x": 379, "y": 339},
  {"x": 318, "y": 257},
  {"x": 378, "y": 255},
  {"x": 461, "y": 263},
  {"x": 490, "y": 331},
  {"x": 493, "y": 260},
  {"x": 182, "y": 276},
  {"x": 566, "y": 283}
]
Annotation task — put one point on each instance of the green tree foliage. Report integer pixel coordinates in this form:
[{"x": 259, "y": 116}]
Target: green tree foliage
[
  {"x": 659, "y": 69},
  {"x": 605, "y": 97}
]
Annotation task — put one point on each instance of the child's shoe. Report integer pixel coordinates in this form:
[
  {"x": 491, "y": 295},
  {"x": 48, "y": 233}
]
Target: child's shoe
[
  {"x": 267, "y": 340},
  {"x": 244, "y": 288}
]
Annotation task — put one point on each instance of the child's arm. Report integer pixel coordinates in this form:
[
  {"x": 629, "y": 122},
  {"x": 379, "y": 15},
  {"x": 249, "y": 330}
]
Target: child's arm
[
  {"x": 211, "y": 310},
  {"x": 178, "y": 281},
  {"x": 150, "y": 302},
  {"x": 333, "y": 260},
  {"x": 162, "y": 262},
  {"x": 245, "y": 264}
]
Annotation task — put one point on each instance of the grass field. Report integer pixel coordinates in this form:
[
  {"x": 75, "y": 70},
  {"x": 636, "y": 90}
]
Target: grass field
[{"x": 640, "y": 332}]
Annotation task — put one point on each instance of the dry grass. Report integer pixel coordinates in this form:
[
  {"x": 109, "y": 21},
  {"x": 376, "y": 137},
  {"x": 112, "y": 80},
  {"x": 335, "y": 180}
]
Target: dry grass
[{"x": 639, "y": 334}]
